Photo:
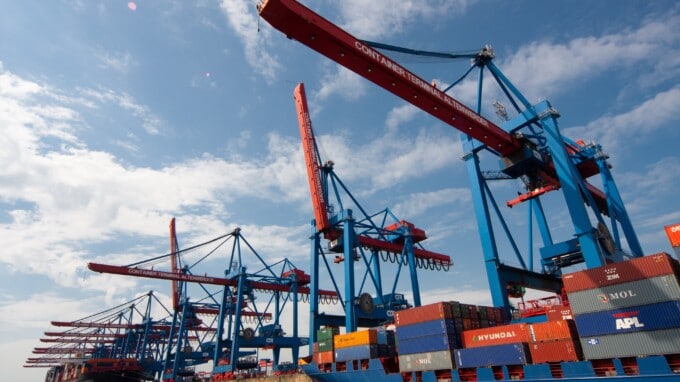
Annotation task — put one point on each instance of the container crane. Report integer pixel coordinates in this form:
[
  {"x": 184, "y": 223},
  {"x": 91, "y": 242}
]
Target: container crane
[
  {"x": 382, "y": 235},
  {"x": 528, "y": 146},
  {"x": 233, "y": 307},
  {"x": 123, "y": 339}
]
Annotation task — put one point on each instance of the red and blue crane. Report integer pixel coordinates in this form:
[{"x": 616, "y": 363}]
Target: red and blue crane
[
  {"x": 359, "y": 241},
  {"x": 529, "y": 146}
]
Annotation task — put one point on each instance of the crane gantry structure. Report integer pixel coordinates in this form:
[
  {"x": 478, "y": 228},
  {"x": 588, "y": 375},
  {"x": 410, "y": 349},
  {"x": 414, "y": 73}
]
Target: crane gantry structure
[
  {"x": 124, "y": 338},
  {"x": 239, "y": 326},
  {"x": 529, "y": 147},
  {"x": 357, "y": 240}
]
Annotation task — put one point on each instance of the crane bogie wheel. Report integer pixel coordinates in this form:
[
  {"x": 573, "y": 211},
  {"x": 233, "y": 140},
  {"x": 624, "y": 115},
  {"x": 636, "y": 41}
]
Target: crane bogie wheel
[
  {"x": 366, "y": 303},
  {"x": 248, "y": 334}
]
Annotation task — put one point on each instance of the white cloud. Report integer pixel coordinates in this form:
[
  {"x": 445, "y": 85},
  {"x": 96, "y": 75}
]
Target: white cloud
[
  {"x": 242, "y": 17},
  {"x": 119, "y": 61},
  {"x": 640, "y": 122},
  {"x": 400, "y": 115},
  {"x": 376, "y": 19},
  {"x": 343, "y": 82},
  {"x": 418, "y": 203},
  {"x": 542, "y": 68}
]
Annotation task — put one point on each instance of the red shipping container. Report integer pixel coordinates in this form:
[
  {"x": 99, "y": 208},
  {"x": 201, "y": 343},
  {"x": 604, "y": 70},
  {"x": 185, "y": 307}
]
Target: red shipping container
[
  {"x": 636, "y": 269},
  {"x": 553, "y": 330},
  {"x": 673, "y": 233},
  {"x": 323, "y": 357},
  {"x": 315, "y": 347},
  {"x": 558, "y": 313},
  {"x": 431, "y": 312},
  {"x": 555, "y": 351},
  {"x": 496, "y": 335}
]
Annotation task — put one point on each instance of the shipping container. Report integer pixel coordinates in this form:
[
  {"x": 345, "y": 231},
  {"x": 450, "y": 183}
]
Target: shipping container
[
  {"x": 495, "y": 355},
  {"x": 325, "y": 344},
  {"x": 455, "y": 309},
  {"x": 384, "y": 336},
  {"x": 362, "y": 337},
  {"x": 663, "y": 315},
  {"x": 439, "y": 360},
  {"x": 635, "y": 269},
  {"x": 559, "y": 312},
  {"x": 436, "y": 311},
  {"x": 327, "y": 333},
  {"x": 356, "y": 352},
  {"x": 323, "y": 357},
  {"x": 553, "y": 330},
  {"x": 657, "y": 342},
  {"x": 428, "y": 344},
  {"x": 427, "y": 328},
  {"x": 495, "y": 335},
  {"x": 673, "y": 233},
  {"x": 555, "y": 351},
  {"x": 634, "y": 293}
]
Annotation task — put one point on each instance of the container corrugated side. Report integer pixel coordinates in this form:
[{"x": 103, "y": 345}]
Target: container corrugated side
[
  {"x": 663, "y": 315},
  {"x": 555, "y": 351},
  {"x": 356, "y": 352},
  {"x": 553, "y": 330},
  {"x": 634, "y": 293},
  {"x": 427, "y": 344},
  {"x": 325, "y": 344},
  {"x": 495, "y": 335},
  {"x": 323, "y": 357},
  {"x": 496, "y": 355},
  {"x": 559, "y": 312},
  {"x": 362, "y": 337},
  {"x": 427, "y": 328},
  {"x": 328, "y": 332},
  {"x": 635, "y": 269},
  {"x": 657, "y": 342},
  {"x": 439, "y": 360},
  {"x": 423, "y": 313}
]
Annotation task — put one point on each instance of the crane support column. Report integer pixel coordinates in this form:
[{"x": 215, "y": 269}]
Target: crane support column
[
  {"x": 572, "y": 194},
  {"x": 349, "y": 243}
]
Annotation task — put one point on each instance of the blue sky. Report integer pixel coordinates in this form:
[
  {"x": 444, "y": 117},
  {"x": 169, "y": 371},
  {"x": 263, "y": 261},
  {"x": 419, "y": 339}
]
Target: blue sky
[{"x": 114, "y": 120}]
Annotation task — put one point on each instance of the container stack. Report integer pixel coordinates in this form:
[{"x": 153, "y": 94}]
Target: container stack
[
  {"x": 323, "y": 348},
  {"x": 554, "y": 341},
  {"x": 356, "y": 345},
  {"x": 495, "y": 346},
  {"x": 627, "y": 309},
  {"x": 426, "y": 337}
]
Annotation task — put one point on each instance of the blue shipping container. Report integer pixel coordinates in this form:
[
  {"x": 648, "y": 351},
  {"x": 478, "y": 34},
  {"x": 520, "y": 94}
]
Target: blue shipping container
[
  {"x": 356, "y": 352},
  {"x": 664, "y": 315},
  {"x": 428, "y": 344},
  {"x": 495, "y": 355},
  {"x": 424, "y": 329},
  {"x": 385, "y": 337}
]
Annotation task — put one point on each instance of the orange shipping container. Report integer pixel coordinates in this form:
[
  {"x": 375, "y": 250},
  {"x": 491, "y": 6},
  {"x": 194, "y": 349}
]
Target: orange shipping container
[
  {"x": 555, "y": 351},
  {"x": 559, "y": 312},
  {"x": 323, "y": 357},
  {"x": 673, "y": 233},
  {"x": 431, "y": 312},
  {"x": 496, "y": 335},
  {"x": 553, "y": 330},
  {"x": 364, "y": 337}
]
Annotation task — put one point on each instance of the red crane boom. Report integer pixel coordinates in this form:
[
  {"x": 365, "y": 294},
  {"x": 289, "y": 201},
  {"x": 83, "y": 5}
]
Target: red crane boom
[
  {"x": 152, "y": 274},
  {"x": 304, "y": 25},
  {"x": 311, "y": 153}
]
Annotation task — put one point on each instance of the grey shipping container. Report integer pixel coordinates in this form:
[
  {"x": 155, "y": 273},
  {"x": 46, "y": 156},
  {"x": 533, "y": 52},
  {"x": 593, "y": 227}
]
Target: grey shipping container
[
  {"x": 634, "y": 293},
  {"x": 436, "y": 360},
  {"x": 494, "y": 355},
  {"x": 657, "y": 342}
]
